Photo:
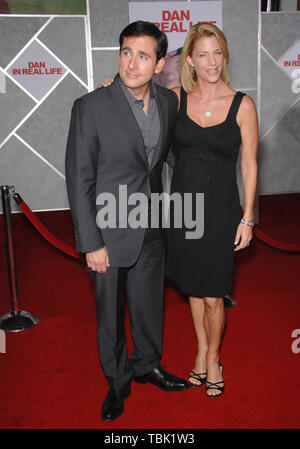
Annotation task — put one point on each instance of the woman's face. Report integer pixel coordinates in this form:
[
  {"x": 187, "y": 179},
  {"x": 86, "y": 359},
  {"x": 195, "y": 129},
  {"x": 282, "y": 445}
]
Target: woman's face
[{"x": 207, "y": 58}]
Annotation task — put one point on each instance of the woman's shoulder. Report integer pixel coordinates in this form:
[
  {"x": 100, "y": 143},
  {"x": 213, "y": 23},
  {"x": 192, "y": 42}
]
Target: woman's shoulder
[
  {"x": 247, "y": 103},
  {"x": 247, "y": 110},
  {"x": 228, "y": 92},
  {"x": 246, "y": 98}
]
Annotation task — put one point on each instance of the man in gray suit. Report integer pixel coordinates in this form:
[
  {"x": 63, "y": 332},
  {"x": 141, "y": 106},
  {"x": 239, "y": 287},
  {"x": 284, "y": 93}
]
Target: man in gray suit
[{"x": 120, "y": 136}]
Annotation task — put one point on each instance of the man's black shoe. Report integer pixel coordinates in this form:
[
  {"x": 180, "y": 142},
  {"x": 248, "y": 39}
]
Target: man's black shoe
[
  {"x": 166, "y": 381},
  {"x": 113, "y": 405}
]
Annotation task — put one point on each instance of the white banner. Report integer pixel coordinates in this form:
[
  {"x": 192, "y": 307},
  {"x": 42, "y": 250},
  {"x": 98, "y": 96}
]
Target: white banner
[
  {"x": 36, "y": 70},
  {"x": 176, "y": 18},
  {"x": 290, "y": 60}
]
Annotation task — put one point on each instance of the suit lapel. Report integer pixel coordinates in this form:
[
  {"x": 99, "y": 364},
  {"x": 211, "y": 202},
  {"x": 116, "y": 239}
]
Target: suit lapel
[{"x": 127, "y": 118}]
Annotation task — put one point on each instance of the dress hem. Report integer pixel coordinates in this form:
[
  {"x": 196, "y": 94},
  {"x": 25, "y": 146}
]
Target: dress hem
[{"x": 186, "y": 291}]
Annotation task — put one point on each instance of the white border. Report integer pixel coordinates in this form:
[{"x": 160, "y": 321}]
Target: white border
[
  {"x": 105, "y": 48},
  {"x": 276, "y": 62},
  {"x": 278, "y": 12},
  {"x": 88, "y": 86},
  {"x": 19, "y": 85},
  {"x": 89, "y": 54},
  {"x": 258, "y": 101},
  {"x": 32, "y": 110},
  {"x": 282, "y": 115},
  {"x": 39, "y": 155},
  {"x": 42, "y": 15},
  {"x": 28, "y": 43},
  {"x": 61, "y": 62},
  {"x": 38, "y": 210},
  {"x": 38, "y": 102}
]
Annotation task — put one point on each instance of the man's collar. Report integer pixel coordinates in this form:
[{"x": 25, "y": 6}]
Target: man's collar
[
  {"x": 152, "y": 88},
  {"x": 131, "y": 98}
]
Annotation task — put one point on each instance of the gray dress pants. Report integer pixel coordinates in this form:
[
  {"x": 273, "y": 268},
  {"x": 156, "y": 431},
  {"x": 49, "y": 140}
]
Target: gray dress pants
[{"x": 142, "y": 284}]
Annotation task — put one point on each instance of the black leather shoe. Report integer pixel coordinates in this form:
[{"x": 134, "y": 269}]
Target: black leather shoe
[
  {"x": 113, "y": 405},
  {"x": 166, "y": 381}
]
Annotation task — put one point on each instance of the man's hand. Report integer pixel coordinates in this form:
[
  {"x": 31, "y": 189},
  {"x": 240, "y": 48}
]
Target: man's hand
[
  {"x": 106, "y": 82},
  {"x": 98, "y": 260}
]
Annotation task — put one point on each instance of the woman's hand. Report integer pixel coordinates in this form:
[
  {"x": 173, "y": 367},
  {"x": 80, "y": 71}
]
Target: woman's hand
[
  {"x": 243, "y": 236},
  {"x": 106, "y": 82}
]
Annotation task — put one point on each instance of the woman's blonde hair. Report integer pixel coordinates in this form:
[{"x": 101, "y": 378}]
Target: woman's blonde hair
[{"x": 187, "y": 74}]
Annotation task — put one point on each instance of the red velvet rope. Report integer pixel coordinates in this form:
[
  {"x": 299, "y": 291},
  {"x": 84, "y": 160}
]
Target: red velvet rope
[
  {"x": 293, "y": 247},
  {"x": 43, "y": 230}
]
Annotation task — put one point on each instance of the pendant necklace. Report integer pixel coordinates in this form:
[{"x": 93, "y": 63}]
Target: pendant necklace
[{"x": 207, "y": 113}]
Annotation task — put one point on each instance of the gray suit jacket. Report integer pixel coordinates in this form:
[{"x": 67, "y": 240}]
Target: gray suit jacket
[{"x": 105, "y": 149}]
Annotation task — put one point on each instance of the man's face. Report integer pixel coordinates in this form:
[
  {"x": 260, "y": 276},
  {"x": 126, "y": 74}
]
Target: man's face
[{"x": 137, "y": 61}]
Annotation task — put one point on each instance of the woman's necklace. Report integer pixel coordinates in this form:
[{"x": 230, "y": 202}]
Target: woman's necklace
[{"x": 207, "y": 113}]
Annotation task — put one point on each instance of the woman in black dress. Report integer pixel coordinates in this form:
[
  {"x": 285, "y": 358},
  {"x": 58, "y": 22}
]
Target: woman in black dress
[{"x": 213, "y": 121}]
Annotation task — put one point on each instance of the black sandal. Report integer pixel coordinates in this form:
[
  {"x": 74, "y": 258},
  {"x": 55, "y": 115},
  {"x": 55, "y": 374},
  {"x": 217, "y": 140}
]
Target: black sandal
[
  {"x": 196, "y": 376},
  {"x": 215, "y": 386}
]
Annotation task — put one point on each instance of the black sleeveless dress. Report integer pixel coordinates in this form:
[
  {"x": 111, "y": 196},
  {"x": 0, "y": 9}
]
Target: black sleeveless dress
[{"x": 205, "y": 162}]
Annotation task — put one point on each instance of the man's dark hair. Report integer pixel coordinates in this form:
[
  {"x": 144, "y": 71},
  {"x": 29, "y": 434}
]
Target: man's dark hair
[{"x": 141, "y": 28}]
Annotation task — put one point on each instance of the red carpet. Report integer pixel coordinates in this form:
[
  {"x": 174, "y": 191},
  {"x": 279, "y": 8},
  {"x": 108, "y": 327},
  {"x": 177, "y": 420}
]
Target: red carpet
[{"x": 51, "y": 377}]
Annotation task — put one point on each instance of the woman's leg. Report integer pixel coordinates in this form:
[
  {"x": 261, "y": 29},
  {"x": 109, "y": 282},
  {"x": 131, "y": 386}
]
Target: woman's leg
[
  {"x": 214, "y": 321},
  {"x": 197, "y": 311}
]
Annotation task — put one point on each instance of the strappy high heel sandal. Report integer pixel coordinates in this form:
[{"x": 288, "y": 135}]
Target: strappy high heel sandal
[
  {"x": 196, "y": 376},
  {"x": 215, "y": 386}
]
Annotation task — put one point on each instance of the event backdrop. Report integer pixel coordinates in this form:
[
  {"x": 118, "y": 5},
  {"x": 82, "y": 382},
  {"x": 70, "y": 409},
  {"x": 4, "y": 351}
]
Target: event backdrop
[{"x": 51, "y": 57}]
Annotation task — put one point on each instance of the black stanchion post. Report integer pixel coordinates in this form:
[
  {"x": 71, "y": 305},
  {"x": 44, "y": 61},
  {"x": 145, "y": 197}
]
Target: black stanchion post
[{"x": 16, "y": 320}]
